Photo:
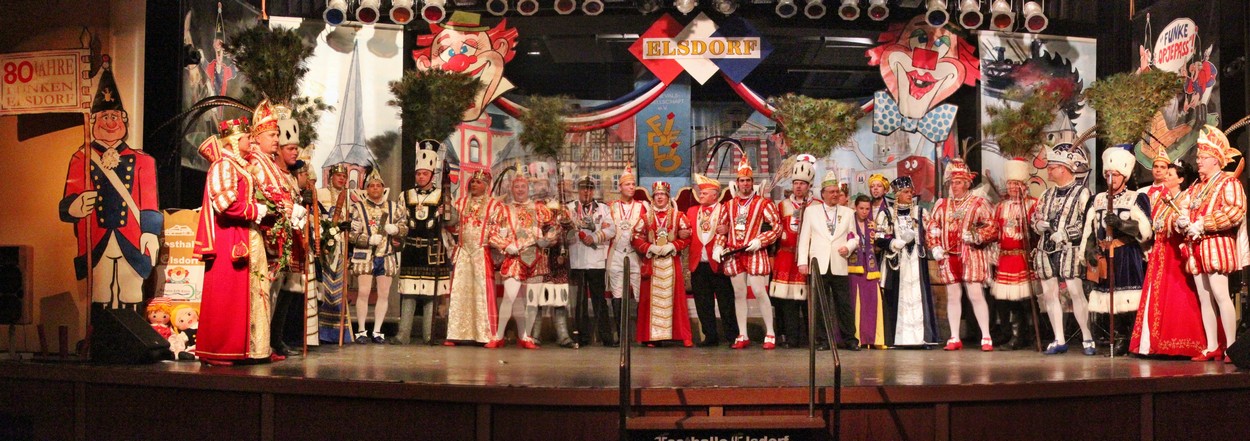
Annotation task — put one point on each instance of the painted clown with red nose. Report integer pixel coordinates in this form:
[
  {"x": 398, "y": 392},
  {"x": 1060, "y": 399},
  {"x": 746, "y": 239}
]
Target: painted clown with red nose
[{"x": 464, "y": 45}]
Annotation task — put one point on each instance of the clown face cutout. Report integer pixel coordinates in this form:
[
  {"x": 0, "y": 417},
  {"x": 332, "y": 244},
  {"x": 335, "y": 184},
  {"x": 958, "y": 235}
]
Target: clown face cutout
[
  {"x": 464, "y": 46},
  {"x": 923, "y": 65}
]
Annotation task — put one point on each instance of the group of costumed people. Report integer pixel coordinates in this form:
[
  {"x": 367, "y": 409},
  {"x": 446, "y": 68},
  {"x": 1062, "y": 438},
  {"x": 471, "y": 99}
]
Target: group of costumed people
[{"x": 1157, "y": 260}]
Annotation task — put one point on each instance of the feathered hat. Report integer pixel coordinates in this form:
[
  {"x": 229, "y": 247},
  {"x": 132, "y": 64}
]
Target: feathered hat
[
  {"x": 1068, "y": 155},
  {"x": 957, "y": 168},
  {"x": 628, "y": 175},
  {"x": 705, "y": 183},
  {"x": 744, "y": 167},
  {"x": 804, "y": 168},
  {"x": 264, "y": 118},
  {"x": 1119, "y": 159},
  {"x": 288, "y": 127},
  {"x": 1212, "y": 142},
  {"x": 1016, "y": 170},
  {"x": 427, "y": 155},
  {"x": 1161, "y": 155},
  {"x": 480, "y": 175}
]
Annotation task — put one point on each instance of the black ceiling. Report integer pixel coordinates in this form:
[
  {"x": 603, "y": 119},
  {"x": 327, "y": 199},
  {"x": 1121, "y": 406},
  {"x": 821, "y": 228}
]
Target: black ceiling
[{"x": 585, "y": 56}]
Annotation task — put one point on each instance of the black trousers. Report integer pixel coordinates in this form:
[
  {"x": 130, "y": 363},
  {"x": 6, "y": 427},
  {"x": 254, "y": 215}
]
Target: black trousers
[
  {"x": 590, "y": 283},
  {"x": 711, "y": 289},
  {"x": 836, "y": 299},
  {"x": 790, "y": 316}
]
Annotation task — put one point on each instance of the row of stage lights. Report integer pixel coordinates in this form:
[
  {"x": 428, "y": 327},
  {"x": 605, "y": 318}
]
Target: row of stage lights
[{"x": 1002, "y": 17}]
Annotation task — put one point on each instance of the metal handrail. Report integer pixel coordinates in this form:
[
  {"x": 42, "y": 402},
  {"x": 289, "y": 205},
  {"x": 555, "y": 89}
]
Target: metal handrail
[
  {"x": 816, "y": 293},
  {"x": 624, "y": 338}
]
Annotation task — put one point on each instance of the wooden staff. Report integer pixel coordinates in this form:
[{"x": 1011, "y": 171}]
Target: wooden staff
[
  {"x": 86, "y": 177},
  {"x": 1028, "y": 265},
  {"x": 313, "y": 242},
  {"x": 337, "y": 219},
  {"x": 1111, "y": 264}
]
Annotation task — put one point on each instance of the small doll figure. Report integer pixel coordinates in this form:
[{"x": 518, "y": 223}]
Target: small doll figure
[
  {"x": 186, "y": 322},
  {"x": 158, "y": 312}
]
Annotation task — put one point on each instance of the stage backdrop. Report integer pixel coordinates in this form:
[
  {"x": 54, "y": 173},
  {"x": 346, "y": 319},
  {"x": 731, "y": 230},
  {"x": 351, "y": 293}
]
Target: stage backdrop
[
  {"x": 205, "y": 27},
  {"x": 1006, "y": 60},
  {"x": 664, "y": 134},
  {"x": 1180, "y": 36}
]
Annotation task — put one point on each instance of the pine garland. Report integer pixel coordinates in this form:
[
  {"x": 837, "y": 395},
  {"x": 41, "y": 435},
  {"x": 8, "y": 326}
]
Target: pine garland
[
  {"x": 1020, "y": 130},
  {"x": 544, "y": 126},
  {"x": 431, "y": 103},
  {"x": 1126, "y": 102},
  {"x": 813, "y": 125}
]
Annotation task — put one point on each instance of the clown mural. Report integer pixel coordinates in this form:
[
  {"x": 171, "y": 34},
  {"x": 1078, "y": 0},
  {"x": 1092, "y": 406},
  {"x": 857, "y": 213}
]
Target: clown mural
[
  {"x": 111, "y": 199},
  {"x": 464, "y": 45}
]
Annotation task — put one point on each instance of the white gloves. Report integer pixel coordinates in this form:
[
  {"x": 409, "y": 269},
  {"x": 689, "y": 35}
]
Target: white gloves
[
  {"x": 511, "y": 249},
  {"x": 391, "y": 229},
  {"x": 261, "y": 212},
  {"x": 897, "y": 244},
  {"x": 299, "y": 212},
  {"x": 375, "y": 239},
  {"x": 907, "y": 236},
  {"x": 970, "y": 238},
  {"x": 716, "y": 252},
  {"x": 84, "y": 204},
  {"x": 1042, "y": 226},
  {"x": 666, "y": 250},
  {"x": 1059, "y": 238},
  {"x": 939, "y": 253},
  {"x": 1182, "y": 222},
  {"x": 753, "y": 245},
  {"x": 1196, "y": 228},
  {"x": 542, "y": 242},
  {"x": 150, "y": 245}
]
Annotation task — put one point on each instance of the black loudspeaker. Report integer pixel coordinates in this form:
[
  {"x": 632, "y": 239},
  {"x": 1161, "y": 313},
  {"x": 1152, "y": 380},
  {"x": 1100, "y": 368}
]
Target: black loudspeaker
[
  {"x": 14, "y": 284},
  {"x": 1239, "y": 351},
  {"x": 123, "y": 336}
]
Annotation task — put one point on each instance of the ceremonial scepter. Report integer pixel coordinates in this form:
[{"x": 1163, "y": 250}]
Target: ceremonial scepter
[
  {"x": 1028, "y": 265},
  {"x": 1110, "y": 265}
]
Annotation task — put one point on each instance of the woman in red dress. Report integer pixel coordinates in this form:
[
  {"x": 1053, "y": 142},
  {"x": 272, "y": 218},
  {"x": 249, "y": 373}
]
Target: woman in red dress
[
  {"x": 662, "y": 311},
  {"x": 1169, "y": 319}
]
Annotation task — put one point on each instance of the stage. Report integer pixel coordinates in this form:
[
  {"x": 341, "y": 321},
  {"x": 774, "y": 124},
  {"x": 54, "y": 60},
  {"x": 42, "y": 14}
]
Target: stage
[{"x": 436, "y": 392}]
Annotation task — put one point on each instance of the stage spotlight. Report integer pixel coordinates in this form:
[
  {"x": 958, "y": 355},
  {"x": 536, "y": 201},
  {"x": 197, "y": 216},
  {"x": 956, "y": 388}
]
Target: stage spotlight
[
  {"x": 647, "y": 6},
  {"x": 685, "y": 6},
  {"x": 497, "y": 7},
  {"x": 433, "y": 11},
  {"x": 336, "y": 12},
  {"x": 878, "y": 10},
  {"x": 565, "y": 7},
  {"x": 936, "y": 15},
  {"x": 849, "y": 10},
  {"x": 592, "y": 7},
  {"x": 367, "y": 13},
  {"x": 786, "y": 8},
  {"x": 970, "y": 14},
  {"x": 725, "y": 6},
  {"x": 401, "y": 11},
  {"x": 527, "y": 7},
  {"x": 1001, "y": 16},
  {"x": 1034, "y": 19},
  {"x": 814, "y": 9}
]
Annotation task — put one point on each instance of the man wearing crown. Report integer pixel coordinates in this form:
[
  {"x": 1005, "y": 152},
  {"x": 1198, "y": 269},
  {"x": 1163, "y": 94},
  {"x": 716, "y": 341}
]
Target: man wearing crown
[
  {"x": 751, "y": 226},
  {"x": 1012, "y": 281},
  {"x": 789, "y": 287},
  {"x": 235, "y": 309},
  {"x": 114, "y": 204},
  {"x": 284, "y": 239},
  {"x": 662, "y": 314},
  {"x": 424, "y": 271},
  {"x": 521, "y": 235},
  {"x": 1217, "y": 206},
  {"x": 588, "y": 255},
  {"x": 958, "y": 234},
  {"x": 1059, "y": 220},
  {"x": 471, "y": 312},
  {"x": 907, "y": 296},
  {"x": 625, "y": 212},
  {"x": 377, "y": 230},
  {"x": 712, "y": 289},
  {"x": 1114, "y": 239}
]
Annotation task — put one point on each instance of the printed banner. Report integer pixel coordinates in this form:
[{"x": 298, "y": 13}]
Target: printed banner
[
  {"x": 1180, "y": 36},
  {"x": 701, "y": 48},
  {"x": 179, "y": 275},
  {"x": 664, "y": 135},
  {"x": 45, "y": 82},
  {"x": 1013, "y": 59}
]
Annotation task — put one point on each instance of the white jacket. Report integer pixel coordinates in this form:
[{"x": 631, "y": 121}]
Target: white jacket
[{"x": 815, "y": 240}]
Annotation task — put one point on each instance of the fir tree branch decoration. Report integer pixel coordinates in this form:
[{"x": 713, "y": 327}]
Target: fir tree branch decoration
[
  {"x": 272, "y": 60},
  {"x": 1021, "y": 129},
  {"x": 431, "y": 103},
  {"x": 813, "y": 125},
  {"x": 307, "y": 111},
  {"x": 1126, "y": 102},
  {"x": 544, "y": 126}
]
